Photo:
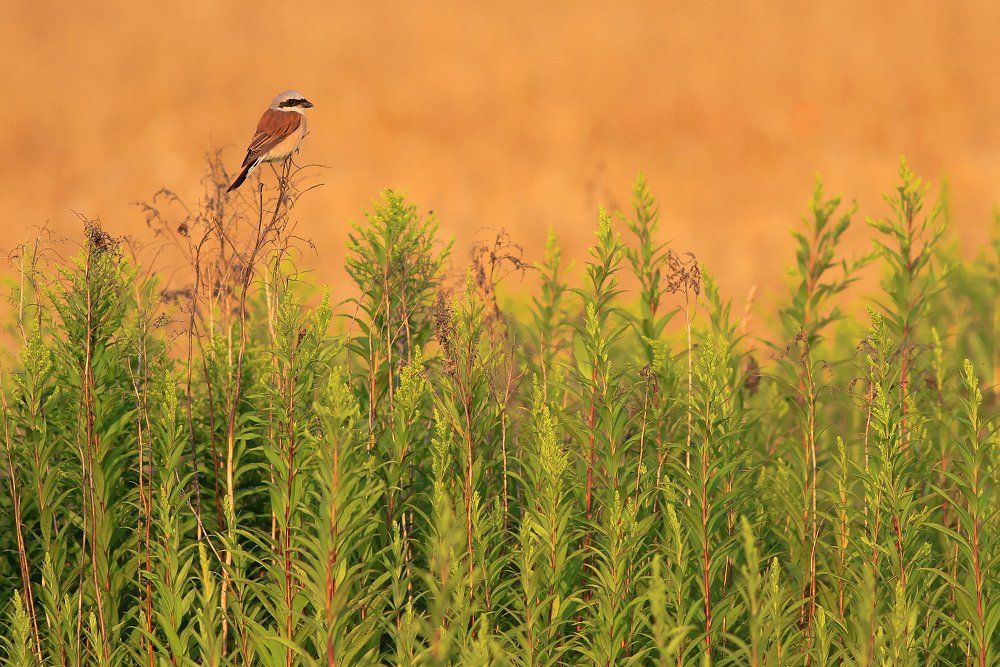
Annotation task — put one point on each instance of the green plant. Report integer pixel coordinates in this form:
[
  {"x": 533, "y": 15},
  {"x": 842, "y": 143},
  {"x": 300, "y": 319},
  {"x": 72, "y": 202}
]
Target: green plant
[{"x": 427, "y": 474}]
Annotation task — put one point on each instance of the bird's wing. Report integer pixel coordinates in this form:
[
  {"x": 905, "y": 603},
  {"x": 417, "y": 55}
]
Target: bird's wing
[{"x": 273, "y": 127}]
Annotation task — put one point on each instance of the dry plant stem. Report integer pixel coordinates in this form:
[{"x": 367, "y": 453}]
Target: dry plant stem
[
  {"x": 591, "y": 461},
  {"x": 842, "y": 540},
  {"x": 978, "y": 572},
  {"x": 213, "y": 445},
  {"x": 22, "y": 551},
  {"x": 870, "y": 402},
  {"x": 145, "y": 481},
  {"x": 388, "y": 328},
  {"x": 512, "y": 381},
  {"x": 145, "y": 501},
  {"x": 332, "y": 558},
  {"x": 469, "y": 462},
  {"x": 811, "y": 520},
  {"x": 642, "y": 438},
  {"x": 27, "y": 270},
  {"x": 264, "y": 235},
  {"x": 876, "y": 530},
  {"x": 690, "y": 378},
  {"x": 705, "y": 553},
  {"x": 90, "y": 449},
  {"x": 189, "y": 390},
  {"x": 287, "y": 538},
  {"x": 503, "y": 453}
]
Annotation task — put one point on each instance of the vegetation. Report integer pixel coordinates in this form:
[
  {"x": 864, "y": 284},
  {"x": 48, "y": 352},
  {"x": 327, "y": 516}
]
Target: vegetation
[{"x": 608, "y": 471}]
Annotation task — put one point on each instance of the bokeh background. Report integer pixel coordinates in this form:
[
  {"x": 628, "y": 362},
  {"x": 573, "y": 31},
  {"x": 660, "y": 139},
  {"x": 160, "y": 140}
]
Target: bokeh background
[{"x": 522, "y": 115}]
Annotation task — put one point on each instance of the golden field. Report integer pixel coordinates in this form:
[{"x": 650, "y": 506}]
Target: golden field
[{"x": 522, "y": 117}]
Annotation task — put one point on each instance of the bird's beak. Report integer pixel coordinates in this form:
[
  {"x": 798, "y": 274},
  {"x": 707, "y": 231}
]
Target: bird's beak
[{"x": 307, "y": 104}]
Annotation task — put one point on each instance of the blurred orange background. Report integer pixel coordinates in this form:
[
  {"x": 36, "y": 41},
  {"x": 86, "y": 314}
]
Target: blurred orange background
[{"x": 522, "y": 115}]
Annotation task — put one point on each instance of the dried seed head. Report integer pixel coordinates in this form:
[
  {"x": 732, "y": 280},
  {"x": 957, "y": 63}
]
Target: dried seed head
[
  {"x": 98, "y": 240},
  {"x": 444, "y": 330},
  {"x": 683, "y": 273}
]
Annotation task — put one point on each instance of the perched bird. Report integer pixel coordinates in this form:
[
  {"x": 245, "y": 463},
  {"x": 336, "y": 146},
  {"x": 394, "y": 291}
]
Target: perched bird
[{"x": 279, "y": 132}]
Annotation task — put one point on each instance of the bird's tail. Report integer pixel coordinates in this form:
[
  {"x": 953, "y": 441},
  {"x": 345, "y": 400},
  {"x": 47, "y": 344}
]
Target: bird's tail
[{"x": 243, "y": 175}]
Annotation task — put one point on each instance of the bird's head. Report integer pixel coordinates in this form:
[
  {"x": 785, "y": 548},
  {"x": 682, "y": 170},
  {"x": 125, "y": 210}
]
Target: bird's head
[{"x": 291, "y": 100}]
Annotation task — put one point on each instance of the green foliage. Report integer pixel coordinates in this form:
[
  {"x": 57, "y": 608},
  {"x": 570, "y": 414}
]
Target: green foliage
[{"x": 417, "y": 477}]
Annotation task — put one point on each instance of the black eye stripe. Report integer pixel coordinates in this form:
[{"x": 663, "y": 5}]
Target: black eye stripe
[{"x": 291, "y": 103}]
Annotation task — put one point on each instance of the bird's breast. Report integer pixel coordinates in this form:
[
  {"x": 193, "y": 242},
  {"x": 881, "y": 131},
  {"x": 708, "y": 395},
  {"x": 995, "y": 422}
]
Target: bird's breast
[{"x": 287, "y": 145}]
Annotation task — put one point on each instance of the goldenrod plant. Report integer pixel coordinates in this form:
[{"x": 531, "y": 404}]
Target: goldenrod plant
[{"x": 218, "y": 464}]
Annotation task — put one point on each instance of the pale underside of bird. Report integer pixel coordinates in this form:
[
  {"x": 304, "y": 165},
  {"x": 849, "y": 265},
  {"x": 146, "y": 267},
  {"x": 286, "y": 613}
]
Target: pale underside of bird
[{"x": 279, "y": 132}]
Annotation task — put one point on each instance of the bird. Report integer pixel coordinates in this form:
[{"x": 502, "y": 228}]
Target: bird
[{"x": 279, "y": 132}]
